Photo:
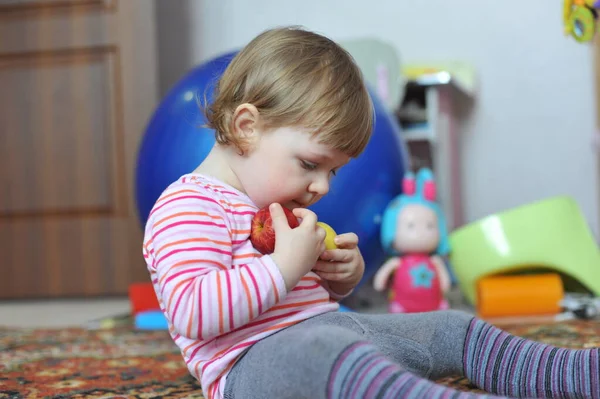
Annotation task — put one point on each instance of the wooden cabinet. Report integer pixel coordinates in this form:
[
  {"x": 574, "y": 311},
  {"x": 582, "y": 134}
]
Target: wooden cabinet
[{"x": 78, "y": 84}]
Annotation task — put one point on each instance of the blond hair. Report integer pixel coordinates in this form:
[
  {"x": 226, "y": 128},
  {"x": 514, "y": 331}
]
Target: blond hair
[{"x": 295, "y": 78}]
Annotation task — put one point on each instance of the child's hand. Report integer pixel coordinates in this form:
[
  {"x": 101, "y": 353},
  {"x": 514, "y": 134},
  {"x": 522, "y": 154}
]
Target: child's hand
[
  {"x": 342, "y": 267},
  {"x": 296, "y": 250}
]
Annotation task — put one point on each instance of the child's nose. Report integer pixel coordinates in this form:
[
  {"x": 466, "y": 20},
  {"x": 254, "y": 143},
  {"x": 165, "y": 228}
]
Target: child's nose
[{"x": 319, "y": 186}]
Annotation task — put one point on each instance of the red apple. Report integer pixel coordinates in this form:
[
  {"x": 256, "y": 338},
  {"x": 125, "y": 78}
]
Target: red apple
[{"x": 262, "y": 234}]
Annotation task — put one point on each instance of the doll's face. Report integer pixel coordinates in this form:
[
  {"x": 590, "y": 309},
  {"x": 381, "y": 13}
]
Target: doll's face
[{"x": 416, "y": 230}]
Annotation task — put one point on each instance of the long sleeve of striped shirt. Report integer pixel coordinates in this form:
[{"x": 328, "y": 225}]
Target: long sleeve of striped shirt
[{"x": 206, "y": 290}]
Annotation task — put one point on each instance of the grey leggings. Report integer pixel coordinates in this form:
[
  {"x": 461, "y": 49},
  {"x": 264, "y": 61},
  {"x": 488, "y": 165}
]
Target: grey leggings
[{"x": 296, "y": 362}]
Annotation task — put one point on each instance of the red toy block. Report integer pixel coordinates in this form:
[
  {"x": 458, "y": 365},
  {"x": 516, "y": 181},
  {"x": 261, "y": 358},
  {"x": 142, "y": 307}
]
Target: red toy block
[{"x": 142, "y": 298}]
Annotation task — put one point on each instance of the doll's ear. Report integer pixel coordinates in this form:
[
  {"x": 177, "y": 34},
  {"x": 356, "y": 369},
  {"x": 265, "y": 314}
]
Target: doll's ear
[
  {"x": 409, "y": 186},
  {"x": 429, "y": 190},
  {"x": 426, "y": 184}
]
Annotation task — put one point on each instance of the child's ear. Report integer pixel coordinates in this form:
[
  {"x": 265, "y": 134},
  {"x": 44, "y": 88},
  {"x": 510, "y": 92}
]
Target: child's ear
[{"x": 246, "y": 119}]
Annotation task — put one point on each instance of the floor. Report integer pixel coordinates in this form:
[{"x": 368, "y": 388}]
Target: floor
[
  {"x": 367, "y": 300},
  {"x": 84, "y": 312},
  {"x": 59, "y": 313}
]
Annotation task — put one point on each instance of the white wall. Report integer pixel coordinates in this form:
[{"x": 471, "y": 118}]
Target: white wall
[{"x": 530, "y": 133}]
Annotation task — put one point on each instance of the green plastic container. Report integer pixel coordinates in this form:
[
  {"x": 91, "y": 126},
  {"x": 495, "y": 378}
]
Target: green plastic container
[{"x": 549, "y": 235}]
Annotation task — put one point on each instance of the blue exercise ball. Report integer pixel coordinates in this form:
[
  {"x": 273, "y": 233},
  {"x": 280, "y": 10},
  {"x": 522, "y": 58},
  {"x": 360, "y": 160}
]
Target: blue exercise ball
[{"x": 175, "y": 142}]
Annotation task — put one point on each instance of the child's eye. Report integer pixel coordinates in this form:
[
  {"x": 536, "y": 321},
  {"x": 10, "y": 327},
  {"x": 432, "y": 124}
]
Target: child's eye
[{"x": 308, "y": 165}]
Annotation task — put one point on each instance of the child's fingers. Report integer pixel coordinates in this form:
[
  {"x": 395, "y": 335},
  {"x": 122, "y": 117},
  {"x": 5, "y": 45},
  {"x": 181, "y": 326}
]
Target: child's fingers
[
  {"x": 337, "y": 255},
  {"x": 330, "y": 267},
  {"x": 308, "y": 217},
  {"x": 333, "y": 276},
  {"x": 279, "y": 221},
  {"x": 346, "y": 240}
]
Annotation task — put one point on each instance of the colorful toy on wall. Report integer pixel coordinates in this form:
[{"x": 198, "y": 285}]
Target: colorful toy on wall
[
  {"x": 413, "y": 231},
  {"x": 580, "y": 18}
]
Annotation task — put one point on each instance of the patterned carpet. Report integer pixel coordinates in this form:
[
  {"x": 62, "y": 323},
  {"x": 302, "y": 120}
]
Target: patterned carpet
[{"x": 120, "y": 362}]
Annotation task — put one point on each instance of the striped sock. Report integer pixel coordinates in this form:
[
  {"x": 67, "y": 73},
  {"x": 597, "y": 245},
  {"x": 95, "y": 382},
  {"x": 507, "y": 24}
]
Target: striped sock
[
  {"x": 362, "y": 372},
  {"x": 507, "y": 365}
]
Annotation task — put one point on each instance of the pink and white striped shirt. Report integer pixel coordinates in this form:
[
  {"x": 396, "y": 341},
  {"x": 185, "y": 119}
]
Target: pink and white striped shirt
[{"x": 218, "y": 293}]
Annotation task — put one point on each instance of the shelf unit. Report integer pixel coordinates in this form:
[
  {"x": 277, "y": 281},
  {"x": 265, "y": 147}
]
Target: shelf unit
[{"x": 435, "y": 142}]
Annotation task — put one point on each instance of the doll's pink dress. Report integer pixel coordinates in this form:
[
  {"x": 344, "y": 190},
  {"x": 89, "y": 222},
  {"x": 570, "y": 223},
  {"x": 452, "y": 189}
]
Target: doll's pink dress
[{"x": 416, "y": 286}]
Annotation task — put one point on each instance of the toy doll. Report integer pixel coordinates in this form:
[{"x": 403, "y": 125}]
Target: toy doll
[{"x": 414, "y": 231}]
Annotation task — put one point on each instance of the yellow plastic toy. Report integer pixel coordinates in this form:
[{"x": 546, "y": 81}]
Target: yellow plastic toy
[
  {"x": 330, "y": 235},
  {"x": 580, "y": 18},
  {"x": 545, "y": 236}
]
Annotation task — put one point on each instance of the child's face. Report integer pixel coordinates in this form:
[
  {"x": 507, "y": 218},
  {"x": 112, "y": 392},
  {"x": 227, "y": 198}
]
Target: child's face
[{"x": 289, "y": 166}]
